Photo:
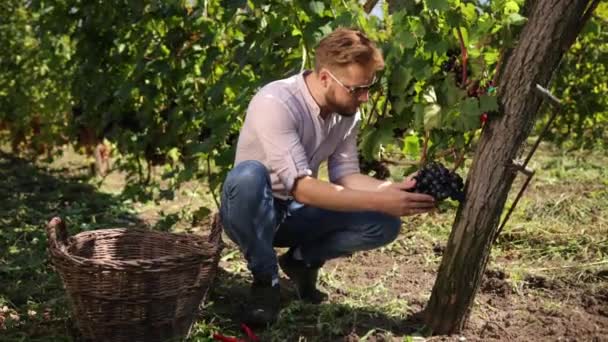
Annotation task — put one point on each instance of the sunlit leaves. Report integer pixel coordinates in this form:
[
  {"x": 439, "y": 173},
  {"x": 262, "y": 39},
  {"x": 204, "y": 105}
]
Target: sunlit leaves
[{"x": 176, "y": 77}]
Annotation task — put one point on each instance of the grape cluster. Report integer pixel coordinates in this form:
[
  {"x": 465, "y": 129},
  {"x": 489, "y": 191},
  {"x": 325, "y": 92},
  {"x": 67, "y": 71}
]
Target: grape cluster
[
  {"x": 448, "y": 65},
  {"x": 452, "y": 55},
  {"x": 453, "y": 64},
  {"x": 436, "y": 180}
]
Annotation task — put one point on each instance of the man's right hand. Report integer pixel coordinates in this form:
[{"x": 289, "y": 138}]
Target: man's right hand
[{"x": 396, "y": 201}]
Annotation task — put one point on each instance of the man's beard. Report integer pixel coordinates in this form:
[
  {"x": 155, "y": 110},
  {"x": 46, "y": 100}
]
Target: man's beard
[{"x": 340, "y": 109}]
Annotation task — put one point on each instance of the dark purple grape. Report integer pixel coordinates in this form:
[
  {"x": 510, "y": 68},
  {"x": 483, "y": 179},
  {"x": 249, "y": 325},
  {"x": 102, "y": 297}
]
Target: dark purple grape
[{"x": 436, "y": 180}]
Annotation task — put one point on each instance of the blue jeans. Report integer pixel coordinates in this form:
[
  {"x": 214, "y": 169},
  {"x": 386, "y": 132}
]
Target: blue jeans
[{"x": 256, "y": 221}]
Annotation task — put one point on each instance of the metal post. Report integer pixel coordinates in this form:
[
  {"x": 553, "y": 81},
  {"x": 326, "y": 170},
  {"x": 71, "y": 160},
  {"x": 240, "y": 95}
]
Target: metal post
[{"x": 522, "y": 167}]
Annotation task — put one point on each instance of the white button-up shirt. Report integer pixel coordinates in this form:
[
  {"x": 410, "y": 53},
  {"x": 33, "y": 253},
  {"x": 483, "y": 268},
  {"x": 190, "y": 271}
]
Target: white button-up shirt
[{"x": 284, "y": 131}]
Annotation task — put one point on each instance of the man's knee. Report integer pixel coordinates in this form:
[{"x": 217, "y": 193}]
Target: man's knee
[
  {"x": 392, "y": 227},
  {"x": 248, "y": 171},
  {"x": 386, "y": 230},
  {"x": 250, "y": 174}
]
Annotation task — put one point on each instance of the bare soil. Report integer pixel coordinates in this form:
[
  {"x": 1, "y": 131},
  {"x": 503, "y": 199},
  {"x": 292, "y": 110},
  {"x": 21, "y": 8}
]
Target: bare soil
[{"x": 537, "y": 308}]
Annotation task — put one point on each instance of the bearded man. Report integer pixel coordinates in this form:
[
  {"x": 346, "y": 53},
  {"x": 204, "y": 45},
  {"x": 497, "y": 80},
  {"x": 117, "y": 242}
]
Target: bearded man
[{"x": 273, "y": 198}]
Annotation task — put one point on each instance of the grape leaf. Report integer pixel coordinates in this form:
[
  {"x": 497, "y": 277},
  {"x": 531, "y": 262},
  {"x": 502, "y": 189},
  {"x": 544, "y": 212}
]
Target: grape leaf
[
  {"x": 488, "y": 103},
  {"x": 439, "y": 5},
  {"x": 373, "y": 139},
  {"x": 411, "y": 146},
  {"x": 516, "y": 19},
  {"x": 317, "y": 7},
  {"x": 432, "y": 116}
]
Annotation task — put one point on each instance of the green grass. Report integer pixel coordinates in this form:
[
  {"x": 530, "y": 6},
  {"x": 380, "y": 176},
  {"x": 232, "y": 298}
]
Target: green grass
[
  {"x": 559, "y": 230},
  {"x": 563, "y": 218}
]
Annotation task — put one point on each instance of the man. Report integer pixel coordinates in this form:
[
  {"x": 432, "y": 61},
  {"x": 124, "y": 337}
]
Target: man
[{"x": 272, "y": 197}]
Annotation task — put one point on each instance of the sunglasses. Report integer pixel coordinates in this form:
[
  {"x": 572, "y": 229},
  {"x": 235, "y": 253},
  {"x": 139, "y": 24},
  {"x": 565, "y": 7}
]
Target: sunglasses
[{"x": 354, "y": 90}]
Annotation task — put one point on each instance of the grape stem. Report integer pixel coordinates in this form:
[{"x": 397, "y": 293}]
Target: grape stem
[
  {"x": 445, "y": 152},
  {"x": 396, "y": 162},
  {"x": 462, "y": 154},
  {"x": 373, "y": 107},
  {"x": 425, "y": 148},
  {"x": 465, "y": 57}
]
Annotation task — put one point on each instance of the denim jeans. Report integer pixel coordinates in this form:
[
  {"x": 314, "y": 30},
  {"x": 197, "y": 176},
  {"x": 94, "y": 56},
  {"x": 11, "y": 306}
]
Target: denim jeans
[{"x": 257, "y": 222}]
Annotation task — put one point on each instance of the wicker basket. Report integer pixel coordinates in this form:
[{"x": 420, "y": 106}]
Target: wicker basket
[{"x": 134, "y": 284}]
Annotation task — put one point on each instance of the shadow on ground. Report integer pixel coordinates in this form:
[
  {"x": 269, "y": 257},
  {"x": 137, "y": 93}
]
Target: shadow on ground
[
  {"x": 298, "y": 320},
  {"x": 33, "y": 305}
]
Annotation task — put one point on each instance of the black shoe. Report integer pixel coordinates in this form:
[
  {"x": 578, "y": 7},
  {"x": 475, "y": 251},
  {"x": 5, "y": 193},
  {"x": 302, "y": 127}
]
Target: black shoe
[
  {"x": 304, "y": 276},
  {"x": 264, "y": 305}
]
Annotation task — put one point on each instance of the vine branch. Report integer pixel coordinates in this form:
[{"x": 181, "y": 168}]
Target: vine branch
[{"x": 465, "y": 57}]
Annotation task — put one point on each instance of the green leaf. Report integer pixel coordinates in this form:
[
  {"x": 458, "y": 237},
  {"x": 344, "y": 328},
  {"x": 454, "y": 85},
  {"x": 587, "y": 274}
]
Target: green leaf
[
  {"x": 439, "y": 5},
  {"x": 406, "y": 38},
  {"x": 432, "y": 116},
  {"x": 422, "y": 69},
  {"x": 470, "y": 107},
  {"x": 469, "y": 13},
  {"x": 325, "y": 29},
  {"x": 485, "y": 25},
  {"x": 419, "y": 116},
  {"x": 411, "y": 146},
  {"x": 516, "y": 19},
  {"x": 435, "y": 43},
  {"x": 511, "y": 7},
  {"x": 317, "y": 7},
  {"x": 454, "y": 18},
  {"x": 399, "y": 105},
  {"x": 417, "y": 27},
  {"x": 174, "y": 154},
  {"x": 401, "y": 78},
  {"x": 470, "y": 114},
  {"x": 373, "y": 139},
  {"x": 491, "y": 57},
  {"x": 488, "y": 103},
  {"x": 449, "y": 93}
]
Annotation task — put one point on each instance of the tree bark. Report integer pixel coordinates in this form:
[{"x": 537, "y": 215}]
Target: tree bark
[
  {"x": 369, "y": 5},
  {"x": 542, "y": 43}
]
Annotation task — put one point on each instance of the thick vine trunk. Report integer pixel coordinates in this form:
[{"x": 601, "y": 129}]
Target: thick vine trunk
[
  {"x": 369, "y": 5},
  {"x": 551, "y": 28}
]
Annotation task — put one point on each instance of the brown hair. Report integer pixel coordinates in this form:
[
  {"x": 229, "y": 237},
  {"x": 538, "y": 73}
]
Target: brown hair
[{"x": 345, "y": 46}]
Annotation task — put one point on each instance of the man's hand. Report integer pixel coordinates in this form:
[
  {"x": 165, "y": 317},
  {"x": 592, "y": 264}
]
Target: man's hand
[
  {"x": 396, "y": 201},
  {"x": 390, "y": 198},
  {"x": 408, "y": 183}
]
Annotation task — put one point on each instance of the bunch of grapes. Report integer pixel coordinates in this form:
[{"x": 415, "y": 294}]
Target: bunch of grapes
[
  {"x": 436, "y": 180},
  {"x": 448, "y": 65},
  {"x": 453, "y": 64}
]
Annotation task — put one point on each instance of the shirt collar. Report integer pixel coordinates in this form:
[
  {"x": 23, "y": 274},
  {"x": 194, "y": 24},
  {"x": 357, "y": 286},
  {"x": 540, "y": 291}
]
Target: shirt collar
[{"x": 312, "y": 105}]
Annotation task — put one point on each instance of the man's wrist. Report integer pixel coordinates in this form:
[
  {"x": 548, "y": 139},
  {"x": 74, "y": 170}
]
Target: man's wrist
[
  {"x": 374, "y": 201},
  {"x": 385, "y": 185}
]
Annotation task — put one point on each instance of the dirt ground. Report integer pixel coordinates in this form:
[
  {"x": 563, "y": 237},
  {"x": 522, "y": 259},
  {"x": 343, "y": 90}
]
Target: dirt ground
[
  {"x": 538, "y": 309},
  {"x": 546, "y": 281}
]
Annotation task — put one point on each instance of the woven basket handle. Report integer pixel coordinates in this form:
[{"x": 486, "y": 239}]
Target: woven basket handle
[
  {"x": 216, "y": 229},
  {"x": 57, "y": 233}
]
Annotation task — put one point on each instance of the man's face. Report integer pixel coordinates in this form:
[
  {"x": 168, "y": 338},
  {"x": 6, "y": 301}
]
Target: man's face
[{"x": 347, "y": 88}]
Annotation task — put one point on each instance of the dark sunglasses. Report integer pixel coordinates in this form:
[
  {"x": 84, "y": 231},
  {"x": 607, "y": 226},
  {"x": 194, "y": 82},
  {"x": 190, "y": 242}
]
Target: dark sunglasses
[{"x": 354, "y": 90}]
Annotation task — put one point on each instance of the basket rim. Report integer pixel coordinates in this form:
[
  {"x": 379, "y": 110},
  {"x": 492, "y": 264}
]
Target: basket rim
[{"x": 207, "y": 249}]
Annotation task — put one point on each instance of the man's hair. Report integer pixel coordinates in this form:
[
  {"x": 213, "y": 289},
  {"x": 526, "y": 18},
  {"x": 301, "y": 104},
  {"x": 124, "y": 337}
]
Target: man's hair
[{"x": 346, "y": 46}]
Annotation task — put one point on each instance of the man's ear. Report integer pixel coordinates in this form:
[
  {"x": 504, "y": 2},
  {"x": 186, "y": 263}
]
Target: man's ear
[{"x": 323, "y": 77}]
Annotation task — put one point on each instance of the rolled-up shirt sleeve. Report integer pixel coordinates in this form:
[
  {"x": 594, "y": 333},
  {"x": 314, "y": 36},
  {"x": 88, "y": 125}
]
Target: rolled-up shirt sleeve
[
  {"x": 345, "y": 159},
  {"x": 276, "y": 129}
]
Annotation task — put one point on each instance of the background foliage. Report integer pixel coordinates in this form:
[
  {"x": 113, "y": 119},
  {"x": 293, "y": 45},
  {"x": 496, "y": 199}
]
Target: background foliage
[
  {"x": 168, "y": 82},
  {"x": 581, "y": 83}
]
